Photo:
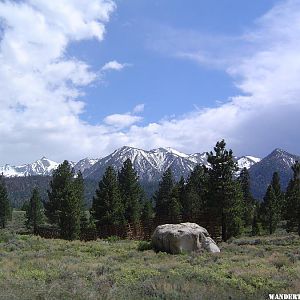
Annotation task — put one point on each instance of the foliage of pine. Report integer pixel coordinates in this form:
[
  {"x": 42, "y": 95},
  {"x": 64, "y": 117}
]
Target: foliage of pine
[
  {"x": 120, "y": 199},
  {"x": 34, "y": 211},
  {"x": 272, "y": 205},
  {"x": 249, "y": 202},
  {"x": 147, "y": 213},
  {"x": 5, "y": 208},
  {"x": 65, "y": 204},
  {"x": 256, "y": 226},
  {"x": 293, "y": 200},
  {"x": 131, "y": 192},
  {"x": 164, "y": 195},
  {"x": 107, "y": 208},
  {"x": 225, "y": 199},
  {"x": 174, "y": 211},
  {"x": 194, "y": 199}
]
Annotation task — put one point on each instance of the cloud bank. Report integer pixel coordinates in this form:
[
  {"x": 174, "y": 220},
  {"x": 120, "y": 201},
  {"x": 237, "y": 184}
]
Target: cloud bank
[{"x": 40, "y": 86}]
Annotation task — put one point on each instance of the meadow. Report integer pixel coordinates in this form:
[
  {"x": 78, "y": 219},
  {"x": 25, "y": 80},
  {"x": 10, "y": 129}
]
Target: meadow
[{"x": 247, "y": 268}]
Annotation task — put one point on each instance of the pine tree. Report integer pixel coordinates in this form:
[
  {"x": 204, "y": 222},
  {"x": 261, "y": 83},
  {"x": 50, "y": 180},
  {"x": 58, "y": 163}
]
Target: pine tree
[
  {"x": 25, "y": 206},
  {"x": 293, "y": 200},
  {"x": 70, "y": 214},
  {"x": 195, "y": 194},
  {"x": 272, "y": 205},
  {"x": 255, "y": 222},
  {"x": 174, "y": 210},
  {"x": 64, "y": 207},
  {"x": 79, "y": 186},
  {"x": 5, "y": 209},
  {"x": 131, "y": 192},
  {"x": 61, "y": 179},
  {"x": 163, "y": 196},
  {"x": 278, "y": 193},
  {"x": 147, "y": 213},
  {"x": 244, "y": 180},
  {"x": 34, "y": 213},
  {"x": 107, "y": 208},
  {"x": 181, "y": 185},
  {"x": 270, "y": 210},
  {"x": 225, "y": 194}
]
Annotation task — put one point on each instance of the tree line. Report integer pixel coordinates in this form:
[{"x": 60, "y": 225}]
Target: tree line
[{"x": 215, "y": 192}]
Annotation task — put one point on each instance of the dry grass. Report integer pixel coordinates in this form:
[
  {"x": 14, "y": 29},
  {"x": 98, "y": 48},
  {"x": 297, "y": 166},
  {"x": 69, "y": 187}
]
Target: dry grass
[{"x": 35, "y": 268}]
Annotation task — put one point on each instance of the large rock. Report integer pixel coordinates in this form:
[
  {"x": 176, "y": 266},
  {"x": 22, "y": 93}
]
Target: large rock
[{"x": 183, "y": 237}]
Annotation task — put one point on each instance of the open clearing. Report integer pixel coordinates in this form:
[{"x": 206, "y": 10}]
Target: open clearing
[{"x": 248, "y": 268}]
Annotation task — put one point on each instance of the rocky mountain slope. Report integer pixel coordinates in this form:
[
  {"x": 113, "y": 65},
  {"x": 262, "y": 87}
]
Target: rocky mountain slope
[
  {"x": 150, "y": 165},
  {"x": 261, "y": 173},
  {"x": 43, "y": 166}
]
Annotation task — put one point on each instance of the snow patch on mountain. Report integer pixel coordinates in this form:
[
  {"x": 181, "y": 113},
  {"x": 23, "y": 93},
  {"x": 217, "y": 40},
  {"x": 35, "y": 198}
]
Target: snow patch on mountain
[
  {"x": 247, "y": 161},
  {"x": 149, "y": 165},
  {"x": 43, "y": 166},
  {"x": 84, "y": 164}
]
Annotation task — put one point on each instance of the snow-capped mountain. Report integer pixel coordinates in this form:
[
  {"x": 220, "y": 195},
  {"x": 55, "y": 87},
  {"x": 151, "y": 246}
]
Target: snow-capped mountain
[
  {"x": 43, "y": 166},
  {"x": 247, "y": 161},
  {"x": 150, "y": 165},
  {"x": 261, "y": 173},
  {"x": 85, "y": 164}
]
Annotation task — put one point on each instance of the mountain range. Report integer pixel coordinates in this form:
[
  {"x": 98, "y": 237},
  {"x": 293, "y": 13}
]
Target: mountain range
[{"x": 150, "y": 165}]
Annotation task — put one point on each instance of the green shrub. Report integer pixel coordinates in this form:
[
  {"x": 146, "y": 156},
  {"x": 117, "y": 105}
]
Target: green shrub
[
  {"x": 144, "y": 245},
  {"x": 6, "y": 236},
  {"x": 112, "y": 239}
]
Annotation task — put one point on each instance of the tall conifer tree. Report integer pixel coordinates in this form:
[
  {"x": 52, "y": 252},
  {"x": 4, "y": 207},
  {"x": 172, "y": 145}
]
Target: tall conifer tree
[
  {"x": 147, "y": 213},
  {"x": 195, "y": 195},
  {"x": 278, "y": 193},
  {"x": 225, "y": 194},
  {"x": 270, "y": 210},
  {"x": 61, "y": 179},
  {"x": 163, "y": 195},
  {"x": 34, "y": 211},
  {"x": 64, "y": 207},
  {"x": 249, "y": 202},
  {"x": 107, "y": 208},
  {"x": 255, "y": 222},
  {"x": 79, "y": 186},
  {"x": 181, "y": 185},
  {"x": 293, "y": 200},
  {"x": 5, "y": 209},
  {"x": 174, "y": 210},
  {"x": 271, "y": 207},
  {"x": 131, "y": 192}
]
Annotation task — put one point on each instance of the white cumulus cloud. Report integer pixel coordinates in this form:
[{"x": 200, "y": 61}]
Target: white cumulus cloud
[
  {"x": 122, "y": 120},
  {"x": 266, "y": 69},
  {"x": 139, "y": 108},
  {"x": 113, "y": 65},
  {"x": 40, "y": 85}
]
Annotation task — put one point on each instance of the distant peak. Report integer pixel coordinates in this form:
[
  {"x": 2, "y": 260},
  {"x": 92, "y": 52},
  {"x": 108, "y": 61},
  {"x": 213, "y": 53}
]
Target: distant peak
[
  {"x": 279, "y": 151},
  {"x": 124, "y": 148},
  {"x": 174, "y": 151}
]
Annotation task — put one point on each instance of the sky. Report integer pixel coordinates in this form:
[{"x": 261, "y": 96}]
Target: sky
[{"x": 81, "y": 79}]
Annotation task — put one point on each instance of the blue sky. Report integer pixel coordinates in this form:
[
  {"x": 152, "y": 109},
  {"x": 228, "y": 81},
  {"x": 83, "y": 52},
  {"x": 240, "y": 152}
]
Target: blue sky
[
  {"x": 80, "y": 79},
  {"x": 166, "y": 84}
]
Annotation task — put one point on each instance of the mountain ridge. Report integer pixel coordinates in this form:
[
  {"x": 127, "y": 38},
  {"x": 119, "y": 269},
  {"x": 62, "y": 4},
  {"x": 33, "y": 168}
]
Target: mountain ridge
[{"x": 150, "y": 164}]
